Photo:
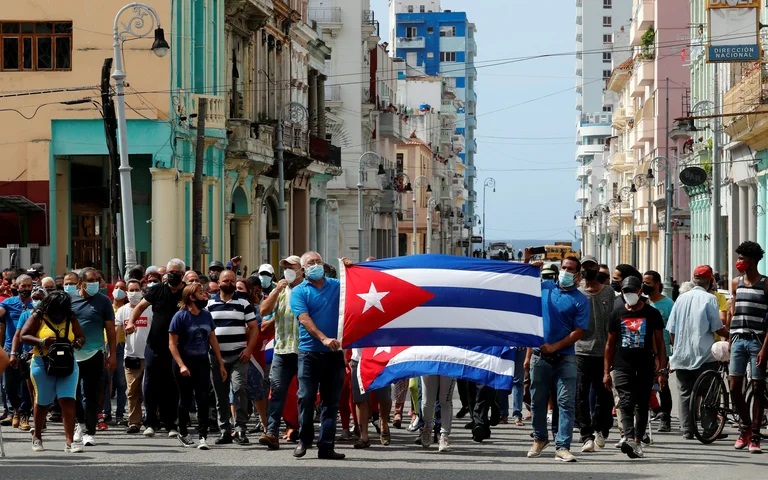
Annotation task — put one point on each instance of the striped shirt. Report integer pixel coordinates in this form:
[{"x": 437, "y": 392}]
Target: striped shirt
[
  {"x": 751, "y": 307},
  {"x": 286, "y": 325},
  {"x": 231, "y": 319}
]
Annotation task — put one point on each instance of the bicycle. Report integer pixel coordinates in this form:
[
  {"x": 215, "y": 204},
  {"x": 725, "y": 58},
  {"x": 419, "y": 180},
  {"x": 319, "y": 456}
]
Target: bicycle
[{"x": 710, "y": 404}]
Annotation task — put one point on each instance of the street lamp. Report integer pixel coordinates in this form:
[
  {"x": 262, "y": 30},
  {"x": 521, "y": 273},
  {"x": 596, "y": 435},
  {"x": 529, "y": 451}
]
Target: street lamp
[
  {"x": 489, "y": 182},
  {"x": 431, "y": 205},
  {"x": 367, "y": 160},
  {"x": 418, "y": 183},
  {"x": 136, "y": 27}
]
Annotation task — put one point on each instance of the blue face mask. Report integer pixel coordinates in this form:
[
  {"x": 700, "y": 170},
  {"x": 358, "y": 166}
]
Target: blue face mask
[
  {"x": 92, "y": 288},
  {"x": 315, "y": 272},
  {"x": 566, "y": 279},
  {"x": 35, "y": 303},
  {"x": 265, "y": 280},
  {"x": 70, "y": 289}
]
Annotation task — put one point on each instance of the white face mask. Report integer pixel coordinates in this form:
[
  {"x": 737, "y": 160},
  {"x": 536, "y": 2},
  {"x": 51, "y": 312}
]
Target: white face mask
[
  {"x": 118, "y": 294},
  {"x": 631, "y": 298},
  {"x": 289, "y": 275},
  {"x": 135, "y": 297}
]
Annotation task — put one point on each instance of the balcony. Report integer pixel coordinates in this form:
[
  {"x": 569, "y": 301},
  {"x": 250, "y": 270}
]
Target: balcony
[
  {"x": 333, "y": 96},
  {"x": 641, "y": 20},
  {"x": 248, "y": 139},
  {"x": 448, "y": 108},
  {"x": 322, "y": 151},
  {"x": 392, "y": 127},
  {"x": 216, "y": 115},
  {"x": 255, "y": 13},
  {"x": 370, "y": 28},
  {"x": 457, "y": 142},
  {"x": 410, "y": 42},
  {"x": 328, "y": 19},
  {"x": 643, "y": 132},
  {"x": 645, "y": 71},
  {"x": 583, "y": 171},
  {"x": 749, "y": 95},
  {"x": 582, "y": 195},
  {"x": 588, "y": 150}
]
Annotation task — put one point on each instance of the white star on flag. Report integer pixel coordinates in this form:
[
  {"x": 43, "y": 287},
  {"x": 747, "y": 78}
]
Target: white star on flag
[
  {"x": 382, "y": 350},
  {"x": 372, "y": 298}
]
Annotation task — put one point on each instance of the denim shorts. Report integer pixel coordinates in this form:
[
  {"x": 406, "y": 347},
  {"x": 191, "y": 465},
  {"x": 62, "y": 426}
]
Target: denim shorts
[{"x": 744, "y": 352}]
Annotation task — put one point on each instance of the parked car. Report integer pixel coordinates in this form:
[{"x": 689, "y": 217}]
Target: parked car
[{"x": 501, "y": 251}]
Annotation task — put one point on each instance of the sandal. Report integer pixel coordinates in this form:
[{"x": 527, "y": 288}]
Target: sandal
[
  {"x": 397, "y": 421},
  {"x": 385, "y": 438},
  {"x": 519, "y": 422},
  {"x": 362, "y": 444}
]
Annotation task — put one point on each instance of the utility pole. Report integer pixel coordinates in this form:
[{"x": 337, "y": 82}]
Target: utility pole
[
  {"x": 110, "y": 131},
  {"x": 197, "y": 187},
  {"x": 717, "y": 238}
]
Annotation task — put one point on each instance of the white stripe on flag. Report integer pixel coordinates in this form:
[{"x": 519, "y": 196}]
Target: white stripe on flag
[
  {"x": 458, "y": 356},
  {"x": 502, "y": 282},
  {"x": 471, "y": 318},
  {"x": 240, "y": 330}
]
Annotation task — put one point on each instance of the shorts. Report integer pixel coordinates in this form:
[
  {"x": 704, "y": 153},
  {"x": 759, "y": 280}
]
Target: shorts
[
  {"x": 48, "y": 388},
  {"x": 744, "y": 352},
  {"x": 383, "y": 393},
  {"x": 257, "y": 387}
]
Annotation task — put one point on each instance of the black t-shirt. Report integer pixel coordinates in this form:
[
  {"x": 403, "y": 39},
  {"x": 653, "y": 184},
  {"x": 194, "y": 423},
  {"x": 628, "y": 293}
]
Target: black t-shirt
[
  {"x": 634, "y": 336},
  {"x": 165, "y": 304}
]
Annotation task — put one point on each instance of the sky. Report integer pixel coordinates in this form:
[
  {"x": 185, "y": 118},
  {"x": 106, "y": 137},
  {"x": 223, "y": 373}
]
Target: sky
[{"x": 526, "y": 115}]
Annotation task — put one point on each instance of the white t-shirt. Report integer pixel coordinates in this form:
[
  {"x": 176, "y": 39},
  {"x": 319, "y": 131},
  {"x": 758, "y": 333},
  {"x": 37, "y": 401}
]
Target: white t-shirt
[{"x": 136, "y": 342}]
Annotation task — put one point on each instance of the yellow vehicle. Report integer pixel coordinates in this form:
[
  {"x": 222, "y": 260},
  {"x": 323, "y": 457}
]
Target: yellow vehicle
[{"x": 556, "y": 252}]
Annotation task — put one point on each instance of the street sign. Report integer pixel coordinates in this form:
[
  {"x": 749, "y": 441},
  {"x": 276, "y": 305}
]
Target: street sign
[
  {"x": 693, "y": 176},
  {"x": 462, "y": 243},
  {"x": 477, "y": 239}
]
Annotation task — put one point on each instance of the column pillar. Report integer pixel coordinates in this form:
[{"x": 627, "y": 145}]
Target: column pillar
[
  {"x": 321, "y": 106},
  {"x": 164, "y": 213},
  {"x": 243, "y": 241},
  {"x": 228, "y": 253},
  {"x": 748, "y": 209},
  {"x": 321, "y": 211},
  {"x": 313, "y": 224},
  {"x": 312, "y": 101}
]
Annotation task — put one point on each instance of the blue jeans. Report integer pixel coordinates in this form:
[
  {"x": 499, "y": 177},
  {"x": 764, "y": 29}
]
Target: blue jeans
[
  {"x": 560, "y": 373},
  {"x": 744, "y": 352},
  {"x": 117, "y": 380},
  {"x": 323, "y": 370},
  {"x": 284, "y": 368},
  {"x": 517, "y": 386}
]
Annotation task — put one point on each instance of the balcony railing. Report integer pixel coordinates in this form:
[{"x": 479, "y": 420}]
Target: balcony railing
[
  {"x": 333, "y": 93},
  {"x": 325, "y": 15},
  {"x": 369, "y": 20},
  {"x": 216, "y": 115},
  {"x": 322, "y": 151},
  {"x": 747, "y": 96},
  {"x": 641, "y": 20},
  {"x": 410, "y": 42}
]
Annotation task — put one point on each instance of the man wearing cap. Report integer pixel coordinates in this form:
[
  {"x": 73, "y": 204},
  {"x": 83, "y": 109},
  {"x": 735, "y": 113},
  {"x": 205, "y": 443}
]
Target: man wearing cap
[
  {"x": 214, "y": 270},
  {"x": 692, "y": 323},
  {"x": 565, "y": 312},
  {"x": 285, "y": 363},
  {"x": 590, "y": 350},
  {"x": 549, "y": 272},
  {"x": 36, "y": 271},
  {"x": 267, "y": 279},
  {"x": 635, "y": 333}
]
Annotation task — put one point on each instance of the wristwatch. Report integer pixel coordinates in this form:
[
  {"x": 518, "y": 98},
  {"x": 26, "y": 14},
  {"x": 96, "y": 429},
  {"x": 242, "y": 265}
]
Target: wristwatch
[{"x": 662, "y": 371}]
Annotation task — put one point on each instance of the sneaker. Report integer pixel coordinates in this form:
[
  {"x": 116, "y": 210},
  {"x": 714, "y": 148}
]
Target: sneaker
[
  {"x": 15, "y": 420},
  {"x": 133, "y": 429},
  {"x": 79, "y": 431},
  {"x": 88, "y": 440},
  {"x": 24, "y": 423},
  {"x": 519, "y": 422},
  {"x": 743, "y": 439},
  {"x": 600, "y": 440},
  {"x": 754, "y": 444},
  {"x": 426, "y": 436},
  {"x": 102, "y": 425},
  {"x": 564, "y": 455},
  {"x": 37, "y": 445},
  {"x": 120, "y": 421},
  {"x": 149, "y": 432},
  {"x": 444, "y": 444},
  {"x": 270, "y": 441},
  {"x": 647, "y": 439},
  {"x": 224, "y": 439},
  {"x": 416, "y": 424},
  {"x": 346, "y": 436},
  {"x": 621, "y": 442},
  {"x": 631, "y": 449},
  {"x": 173, "y": 433},
  {"x": 462, "y": 412},
  {"x": 589, "y": 446},
  {"x": 203, "y": 445},
  {"x": 639, "y": 450},
  {"x": 537, "y": 447},
  {"x": 185, "y": 440},
  {"x": 73, "y": 448},
  {"x": 7, "y": 420},
  {"x": 241, "y": 439}
]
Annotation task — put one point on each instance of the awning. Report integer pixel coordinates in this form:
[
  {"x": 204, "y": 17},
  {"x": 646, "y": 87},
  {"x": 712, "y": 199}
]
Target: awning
[{"x": 18, "y": 204}]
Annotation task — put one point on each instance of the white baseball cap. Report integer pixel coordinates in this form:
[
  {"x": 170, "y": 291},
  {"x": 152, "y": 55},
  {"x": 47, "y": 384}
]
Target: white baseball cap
[{"x": 267, "y": 268}]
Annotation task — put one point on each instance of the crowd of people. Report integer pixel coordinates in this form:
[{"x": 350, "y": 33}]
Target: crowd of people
[{"x": 177, "y": 348}]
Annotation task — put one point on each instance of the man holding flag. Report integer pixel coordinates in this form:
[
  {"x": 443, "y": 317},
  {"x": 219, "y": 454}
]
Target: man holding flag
[{"x": 565, "y": 312}]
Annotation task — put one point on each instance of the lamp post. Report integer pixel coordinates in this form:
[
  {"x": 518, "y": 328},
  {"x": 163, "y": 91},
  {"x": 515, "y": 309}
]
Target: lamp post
[
  {"x": 136, "y": 27},
  {"x": 489, "y": 182},
  {"x": 623, "y": 193},
  {"x": 641, "y": 180},
  {"x": 431, "y": 205},
  {"x": 365, "y": 162},
  {"x": 418, "y": 183}
]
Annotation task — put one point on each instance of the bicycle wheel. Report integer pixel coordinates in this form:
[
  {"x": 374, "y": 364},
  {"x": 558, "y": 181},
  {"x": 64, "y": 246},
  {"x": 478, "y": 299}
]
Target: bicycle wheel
[
  {"x": 749, "y": 397},
  {"x": 709, "y": 406}
]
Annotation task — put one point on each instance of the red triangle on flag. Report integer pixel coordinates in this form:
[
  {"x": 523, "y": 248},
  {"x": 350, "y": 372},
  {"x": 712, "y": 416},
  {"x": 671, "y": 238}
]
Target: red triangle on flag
[
  {"x": 373, "y": 361},
  {"x": 374, "y": 298}
]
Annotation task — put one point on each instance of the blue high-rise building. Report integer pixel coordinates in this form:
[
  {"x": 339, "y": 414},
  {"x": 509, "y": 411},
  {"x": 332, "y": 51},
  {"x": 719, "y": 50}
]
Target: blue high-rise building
[{"x": 442, "y": 43}]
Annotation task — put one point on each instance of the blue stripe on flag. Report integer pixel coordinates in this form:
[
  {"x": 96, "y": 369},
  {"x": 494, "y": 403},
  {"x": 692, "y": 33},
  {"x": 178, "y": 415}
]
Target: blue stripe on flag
[
  {"x": 453, "y": 262},
  {"x": 400, "y": 371},
  {"x": 397, "y": 337},
  {"x": 481, "y": 298}
]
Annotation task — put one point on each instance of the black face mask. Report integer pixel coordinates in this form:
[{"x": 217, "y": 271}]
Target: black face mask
[
  {"x": 589, "y": 275},
  {"x": 648, "y": 289},
  {"x": 174, "y": 279},
  {"x": 616, "y": 286},
  {"x": 227, "y": 289},
  {"x": 25, "y": 293},
  {"x": 201, "y": 304}
]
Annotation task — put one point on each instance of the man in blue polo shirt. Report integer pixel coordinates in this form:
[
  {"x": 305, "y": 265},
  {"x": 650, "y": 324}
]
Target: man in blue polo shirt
[
  {"x": 18, "y": 394},
  {"x": 565, "y": 312},
  {"x": 315, "y": 303}
]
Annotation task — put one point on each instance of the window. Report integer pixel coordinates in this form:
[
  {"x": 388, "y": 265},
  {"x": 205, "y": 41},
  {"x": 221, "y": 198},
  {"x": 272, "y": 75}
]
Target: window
[
  {"x": 449, "y": 31},
  {"x": 606, "y": 74},
  {"x": 421, "y": 9},
  {"x": 607, "y": 38},
  {"x": 606, "y": 21},
  {"x": 410, "y": 32},
  {"x": 608, "y": 108},
  {"x": 35, "y": 46},
  {"x": 430, "y": 54},
  {"x": 607, "y": 3},
  {"x": 606, "y": 57},
  {"x": 447, "y": 56},
  {"x": 410, "y": 8},
  {"x": 430, "y": 30}
]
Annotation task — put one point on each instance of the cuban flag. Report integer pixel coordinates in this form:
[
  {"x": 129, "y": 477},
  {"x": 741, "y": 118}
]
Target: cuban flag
[
  {"x": 492, "y": 366},
  {"x": 440, "y": 300}
]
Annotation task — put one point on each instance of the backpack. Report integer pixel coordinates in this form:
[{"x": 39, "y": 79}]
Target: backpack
[{"x": 60, "y": 359}]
